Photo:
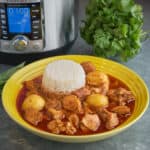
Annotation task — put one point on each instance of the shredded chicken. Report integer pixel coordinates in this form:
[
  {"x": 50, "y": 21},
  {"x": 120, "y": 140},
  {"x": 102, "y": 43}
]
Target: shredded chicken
[
  {"x": 91, "y": 121},
  {"x": 120, "y": 95},
  {"x": 33, "y": 116},
  {"x": 56, "y": 126}
]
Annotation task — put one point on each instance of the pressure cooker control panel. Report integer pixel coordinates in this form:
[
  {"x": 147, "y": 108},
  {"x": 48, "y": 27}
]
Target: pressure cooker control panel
[{"x": 21, "y": 27}]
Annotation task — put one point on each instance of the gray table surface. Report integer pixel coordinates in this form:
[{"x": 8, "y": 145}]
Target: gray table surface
[{"x": 137, "y": 137}]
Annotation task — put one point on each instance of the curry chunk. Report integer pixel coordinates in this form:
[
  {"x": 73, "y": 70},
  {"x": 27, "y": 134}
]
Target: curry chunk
[
  {"x": 82, "y": 93},
  {"x": 72, "y": 103},
  {"x": 120, "y": 95},
  {"x": 33, "y": 116},
  {"x": 53, "y": 103},
  {"x": 56, "y": 114},
  {"x": 111, "y": 119},
  {"x": 56, "y": 126},
  {"x": 74, "y": 119},
  {"x": 88, "y": 67},
  {"x": 91, "y": 121},
  {"x": 98, "y": 79},
  {"x": 70, "y": 129},
  {"x": 121, "y": 110}
]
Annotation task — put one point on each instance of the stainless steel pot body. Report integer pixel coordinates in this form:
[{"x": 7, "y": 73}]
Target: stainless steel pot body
[
  {"x": 61, "y": 22},
  {"x": 54, "y": 24}
]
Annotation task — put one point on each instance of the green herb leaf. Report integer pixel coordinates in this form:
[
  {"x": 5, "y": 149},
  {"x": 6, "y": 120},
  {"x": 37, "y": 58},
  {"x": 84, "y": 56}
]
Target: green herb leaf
[
  {"x": 114, "y": 28},
  {"x": 6, "y": 75}
]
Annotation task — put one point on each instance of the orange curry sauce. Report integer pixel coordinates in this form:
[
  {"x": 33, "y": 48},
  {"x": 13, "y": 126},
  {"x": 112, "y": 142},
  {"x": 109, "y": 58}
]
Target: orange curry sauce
[{"x": 114, "y": 83}]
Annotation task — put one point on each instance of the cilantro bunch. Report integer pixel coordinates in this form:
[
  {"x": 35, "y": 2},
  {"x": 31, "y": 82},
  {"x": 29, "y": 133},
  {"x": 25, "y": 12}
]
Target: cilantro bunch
[{"x": 113, "y": 27}]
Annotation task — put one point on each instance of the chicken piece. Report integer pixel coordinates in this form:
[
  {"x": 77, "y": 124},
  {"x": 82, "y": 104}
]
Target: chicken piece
[
  {"x": 102, "y": 89},
  {"x": 53, "y": 103},
  {"x": 88, "y": 67},
  {"x": 82, "y": 93},
  {"x": 112, "y": 121},
  {"x": 72, "y": 103},
  {"x": 56, "y": 126},
  {"x": 120, "y": 95},
  {"x": 33, "y": 116},
  {"x": 32, "y": 89},
  {"x": 56, "y": 114},
  {"x": 74, "y": 119},
  {"x": 109, "y": 118},
  {"x": 70, "y": 129},
  {"x": 87, "y": 109},
  {"x": 121, "y": 110},
  {"x": 91, "y": 121},
  {"x": 29, "y": 85},
  {"x": 99, "y": 80}
]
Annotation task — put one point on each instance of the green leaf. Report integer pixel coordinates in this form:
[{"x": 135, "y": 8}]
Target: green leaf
[
  {"x": 6, "y": 75},
  {"x": 113, "y": 27}
]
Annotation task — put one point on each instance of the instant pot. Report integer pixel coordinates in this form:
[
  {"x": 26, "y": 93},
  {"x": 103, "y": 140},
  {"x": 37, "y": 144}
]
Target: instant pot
[{"x": 32, "y": 29}]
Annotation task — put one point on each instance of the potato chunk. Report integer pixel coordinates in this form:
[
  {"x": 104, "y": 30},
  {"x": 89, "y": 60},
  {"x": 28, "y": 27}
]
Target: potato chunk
[
  {"x": 97, "y": 100},
  {"x": 33, "y": 101}
]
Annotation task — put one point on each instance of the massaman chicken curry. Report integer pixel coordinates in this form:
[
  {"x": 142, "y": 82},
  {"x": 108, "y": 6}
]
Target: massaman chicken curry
[{"x": 101, "y": 105}]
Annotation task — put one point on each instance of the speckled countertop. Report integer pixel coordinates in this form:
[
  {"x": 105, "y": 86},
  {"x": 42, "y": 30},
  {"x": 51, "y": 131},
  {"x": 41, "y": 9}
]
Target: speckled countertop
[{"x": 137, "y": 137}]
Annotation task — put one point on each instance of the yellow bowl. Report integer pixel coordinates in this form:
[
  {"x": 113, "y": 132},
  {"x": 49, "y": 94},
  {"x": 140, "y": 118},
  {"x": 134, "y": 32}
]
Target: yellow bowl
[{"x": 130, "y": 78}]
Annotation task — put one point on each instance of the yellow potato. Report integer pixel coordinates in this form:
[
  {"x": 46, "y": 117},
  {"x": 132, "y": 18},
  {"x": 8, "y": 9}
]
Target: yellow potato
[
  {"x": 97, "y": 100},
  {"x": 96, "y": 78},
  {"x": 33, "y": 101}
]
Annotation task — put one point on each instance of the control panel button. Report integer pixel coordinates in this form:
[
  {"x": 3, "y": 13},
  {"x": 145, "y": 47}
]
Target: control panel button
[
  {"x": 35, "y": 37},
  {"x": 5, "y": 37},
  {"x": 3, "y": 22},
  {"x": 3, "y": 16},
  {"x": 36, "y": 46},
  {"x": 35, "y": 32},
  {"x": 4, "y": 32},
  {"x": 36, "y": 21},
  {"x": 35, "y": 10},
  {"x": 3, "y": 27},
  {"x": 2, "y": 11},
  {"x": 20, "y": 42},
  {"x": 35, "y": 27},
  {"x": 34, "y": 5}
]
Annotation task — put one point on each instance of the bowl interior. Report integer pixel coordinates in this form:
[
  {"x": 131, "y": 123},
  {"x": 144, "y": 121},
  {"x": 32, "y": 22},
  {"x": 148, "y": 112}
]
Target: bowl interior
[{"x": 130, "y": 78}]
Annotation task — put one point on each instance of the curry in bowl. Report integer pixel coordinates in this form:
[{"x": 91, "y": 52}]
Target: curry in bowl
[{"x": 96, "y": 103}]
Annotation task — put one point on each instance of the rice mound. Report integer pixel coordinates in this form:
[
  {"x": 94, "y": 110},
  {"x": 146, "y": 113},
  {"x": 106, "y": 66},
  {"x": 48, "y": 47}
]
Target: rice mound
[{"x": 63, "y": 76}]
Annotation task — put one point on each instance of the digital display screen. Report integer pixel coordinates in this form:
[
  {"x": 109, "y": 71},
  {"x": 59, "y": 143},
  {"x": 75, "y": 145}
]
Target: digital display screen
[{"x": 19, "y": 20}]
